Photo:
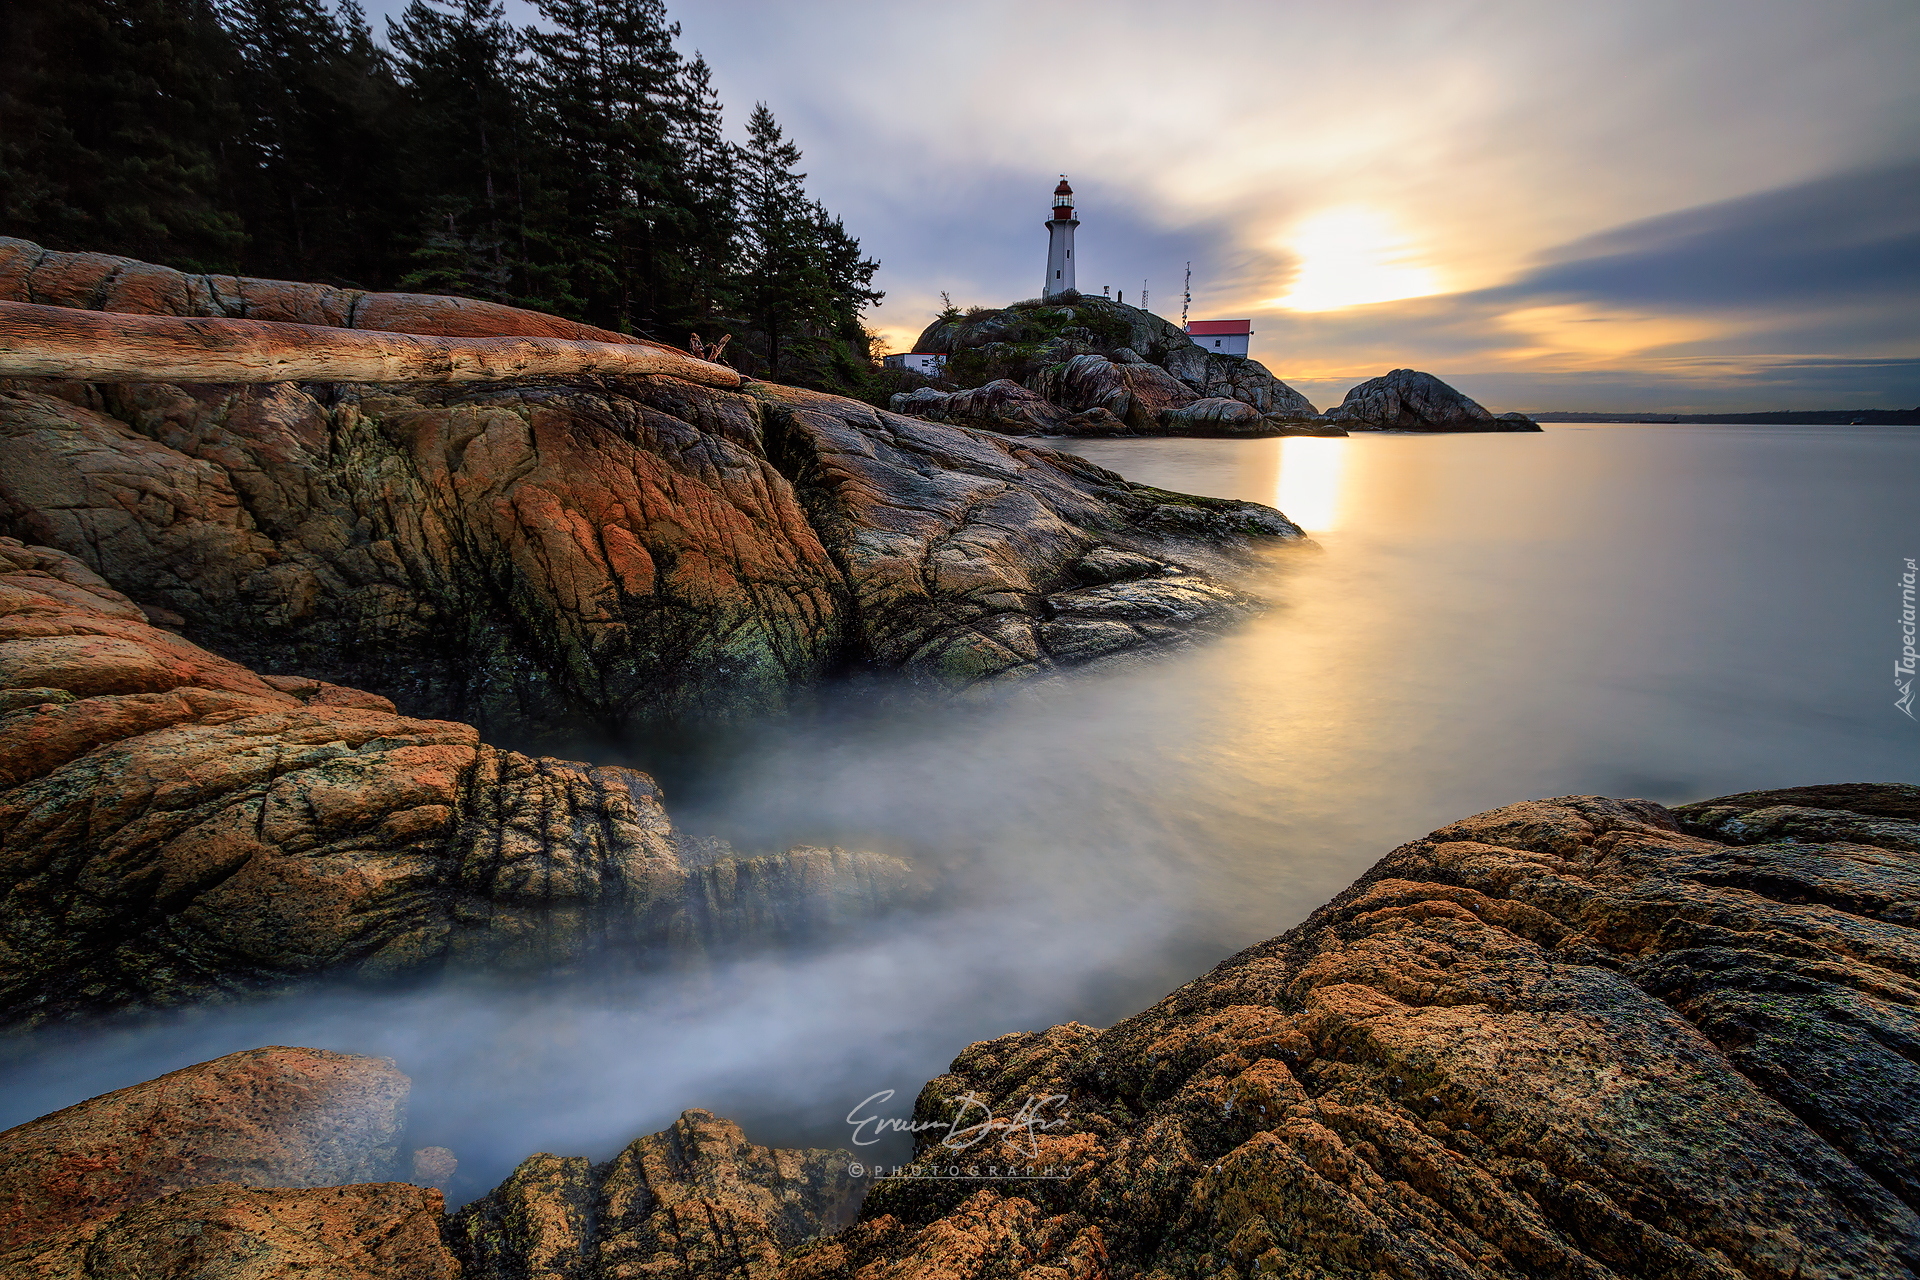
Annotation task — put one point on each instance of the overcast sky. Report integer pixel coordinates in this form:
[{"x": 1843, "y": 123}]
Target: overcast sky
[{"x": 1709, "y": 204}]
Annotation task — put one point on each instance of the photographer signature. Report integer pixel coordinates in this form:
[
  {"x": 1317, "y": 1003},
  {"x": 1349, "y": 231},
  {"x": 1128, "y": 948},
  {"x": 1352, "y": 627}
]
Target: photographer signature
[{"x": 975, "y": 1120}]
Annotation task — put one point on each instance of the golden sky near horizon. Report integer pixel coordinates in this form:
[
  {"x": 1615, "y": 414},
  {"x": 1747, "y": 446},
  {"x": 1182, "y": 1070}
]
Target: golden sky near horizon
[{"x": 1385, "y": 182}]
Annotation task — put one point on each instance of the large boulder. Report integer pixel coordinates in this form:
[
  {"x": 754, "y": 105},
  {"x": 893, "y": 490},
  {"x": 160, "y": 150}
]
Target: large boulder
[
  {"x": 1573, "y": 1037},
  {"x": 273, "y": 1117},
  {"x": 1001, "y": 405},
  {"x": 1215, "y": 374},
  {"x": 536, "y": 559},
  {"x": 1138, "y": 393},
  {"x": 173, "y": 828},
  {"x": 1408, "y": 400},
  {"x": 695, "y": 1202},
  {"x": 1218, "y": 416}
]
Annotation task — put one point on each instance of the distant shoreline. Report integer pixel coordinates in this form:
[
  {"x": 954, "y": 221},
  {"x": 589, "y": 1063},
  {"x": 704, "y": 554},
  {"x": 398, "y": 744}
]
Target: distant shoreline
[{"x": 1789, "y": 417}]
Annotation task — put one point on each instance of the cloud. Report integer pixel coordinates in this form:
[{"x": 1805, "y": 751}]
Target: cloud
[
  {"x": 1587, "y": 187},
  {"x": 1846, "y": 237}
]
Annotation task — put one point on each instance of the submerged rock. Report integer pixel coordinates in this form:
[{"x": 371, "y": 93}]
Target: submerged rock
[
  {"x": 1563, "y": 1038},
  {"x": 695, "y": 1201},
  {"x": 1408, "y": 400}
]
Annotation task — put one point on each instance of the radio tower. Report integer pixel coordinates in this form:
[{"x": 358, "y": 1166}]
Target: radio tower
[
  {"x": 1143, "y": 297},
  {"x": 1186, "y": 299}
]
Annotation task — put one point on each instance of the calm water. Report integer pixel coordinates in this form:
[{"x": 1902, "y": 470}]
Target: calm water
[{"x": 1669, "y": 612}]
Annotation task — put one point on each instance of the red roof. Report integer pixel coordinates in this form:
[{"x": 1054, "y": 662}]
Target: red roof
[{"x": 1221, "y": 326}]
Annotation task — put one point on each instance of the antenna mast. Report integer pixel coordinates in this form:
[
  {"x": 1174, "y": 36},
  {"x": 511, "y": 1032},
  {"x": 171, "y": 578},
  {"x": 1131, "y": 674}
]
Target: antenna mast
[
  {"x": 1186, "y": 299},
  {"x": 1143, "y": 296}
]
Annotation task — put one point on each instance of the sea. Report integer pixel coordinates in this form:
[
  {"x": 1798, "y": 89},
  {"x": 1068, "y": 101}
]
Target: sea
[{"x": 1668, "y": 612}]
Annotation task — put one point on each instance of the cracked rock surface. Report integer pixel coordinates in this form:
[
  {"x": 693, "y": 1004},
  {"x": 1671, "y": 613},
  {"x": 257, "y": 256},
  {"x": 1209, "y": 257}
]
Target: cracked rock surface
[
  {"x": 539, "y": 560},
  {"x": 272, "y": 1117},
  {"x": 695, "y": 1202},
  {"x": 175, "y": 829},
  {"x": 1574, "y": 1037}
]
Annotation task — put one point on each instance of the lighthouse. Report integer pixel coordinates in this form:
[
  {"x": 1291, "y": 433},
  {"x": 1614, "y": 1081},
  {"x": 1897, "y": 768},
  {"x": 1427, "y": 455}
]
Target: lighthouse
[{"x": 1060, "y": 242}]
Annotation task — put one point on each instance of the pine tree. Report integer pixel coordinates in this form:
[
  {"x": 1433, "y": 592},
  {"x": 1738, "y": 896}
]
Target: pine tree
[
  {"x": 803, "y": 280},
  {"x": 321, "y": 189},
  {"x": 711, "y": 245},
  {"x": 606, "y": 86},
  {"x": 112, "y": 118},
  {"x": 467, "y": 151}
]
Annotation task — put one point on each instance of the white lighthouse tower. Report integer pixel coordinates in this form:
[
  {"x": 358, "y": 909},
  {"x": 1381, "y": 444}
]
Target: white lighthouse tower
[{"x": 1060, "y": 242}]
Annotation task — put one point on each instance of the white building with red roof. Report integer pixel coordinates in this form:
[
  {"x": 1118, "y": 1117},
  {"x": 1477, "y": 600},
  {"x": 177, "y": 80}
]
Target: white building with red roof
[{"x": 1226, "y": 337}]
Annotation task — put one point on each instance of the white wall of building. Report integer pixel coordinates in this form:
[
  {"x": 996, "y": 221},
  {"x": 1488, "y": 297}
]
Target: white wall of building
[
  {"x": 930, "y": 363},
  {"x": 1227, "y": 344}
]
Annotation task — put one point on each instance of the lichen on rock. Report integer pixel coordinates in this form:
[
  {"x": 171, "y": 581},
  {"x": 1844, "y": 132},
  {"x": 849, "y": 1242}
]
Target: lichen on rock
[{"x": 1560, "y": 1038}]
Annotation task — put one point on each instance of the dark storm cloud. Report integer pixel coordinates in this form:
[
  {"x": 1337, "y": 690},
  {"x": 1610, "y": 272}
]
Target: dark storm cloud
[{"x": 1851, "y": 237}]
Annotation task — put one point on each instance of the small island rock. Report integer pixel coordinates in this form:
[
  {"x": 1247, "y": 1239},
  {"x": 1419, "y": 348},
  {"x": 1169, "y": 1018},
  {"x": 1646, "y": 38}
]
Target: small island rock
[{"x": 1408, "y": 400}]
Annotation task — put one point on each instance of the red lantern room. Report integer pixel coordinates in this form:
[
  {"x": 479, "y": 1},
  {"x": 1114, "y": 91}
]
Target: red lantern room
[{"x": 1063, "y": 200}]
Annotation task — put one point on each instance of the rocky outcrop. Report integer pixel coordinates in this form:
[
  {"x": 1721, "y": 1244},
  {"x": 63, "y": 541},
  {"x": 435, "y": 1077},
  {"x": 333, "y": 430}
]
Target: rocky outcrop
[
  {"x": 60, "y": 342},
  {"x": 542, "y": 559},
  {"x": 1136, "y": 392},
  {"x": 1236, "y": 419},
  {"x": 964, "y": 551},
  {"x": 1574, "y": 1037},
  {"x": 1408, "y": 400},
  {"x": 1057, "y": 331},
  {"x": 273, "y": 1117},
  {"x": 696, "y": 1202},
  {"x": 381, "y": 1231},
  {"x": 103, "y": 282},
  {"x": 174, "y": 828},
  {"x": 1001, "y": 405},
  {"x": 1214, "y": 374}
]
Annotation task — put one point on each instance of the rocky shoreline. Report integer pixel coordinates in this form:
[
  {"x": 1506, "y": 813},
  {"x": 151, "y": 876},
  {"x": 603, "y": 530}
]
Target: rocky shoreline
[
  {"x": 266, "y": 648},
  {"x": 1076, "y": 365},
  {"x": 1571, "y": 1037}
]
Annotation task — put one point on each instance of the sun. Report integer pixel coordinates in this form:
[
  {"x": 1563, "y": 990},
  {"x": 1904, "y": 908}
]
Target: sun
[{"x": 1349, "y": 256}]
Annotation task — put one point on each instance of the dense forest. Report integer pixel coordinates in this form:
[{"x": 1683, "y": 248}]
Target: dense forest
[{"x": 578, "y": 166}]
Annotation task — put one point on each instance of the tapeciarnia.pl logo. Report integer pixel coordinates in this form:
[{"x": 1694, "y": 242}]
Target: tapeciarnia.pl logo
[{"x": 1903, "y": 667}]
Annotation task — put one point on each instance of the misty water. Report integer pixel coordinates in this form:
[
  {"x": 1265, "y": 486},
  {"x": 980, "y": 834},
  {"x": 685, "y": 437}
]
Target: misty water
[{"x": 1668, "y": 612}]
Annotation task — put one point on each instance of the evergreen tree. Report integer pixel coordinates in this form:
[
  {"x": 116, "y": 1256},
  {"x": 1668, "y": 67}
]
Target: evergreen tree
[
  {"x": 581, "y": 169},
  {"x": 467, "y": 151},
  {"x": 112, "y": 118},
  {"x": 803, "y": 280},
  {"x": 321, "y": 189},
  {"x": 606, "y": 84},
  {"x": 711, "y": 246}
]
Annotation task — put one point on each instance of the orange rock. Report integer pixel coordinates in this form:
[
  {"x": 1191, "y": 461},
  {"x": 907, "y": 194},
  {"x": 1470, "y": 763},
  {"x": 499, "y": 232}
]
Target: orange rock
[
  {"x": 224, "y": 833},
  {"x": 382, "y": 1231},
  {"x": 1572, "y": 1037},
  {"x": 101, "y": 281},
  {"x": 273, "y": 1117},
  {"x": 697, "y": 1200}
]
